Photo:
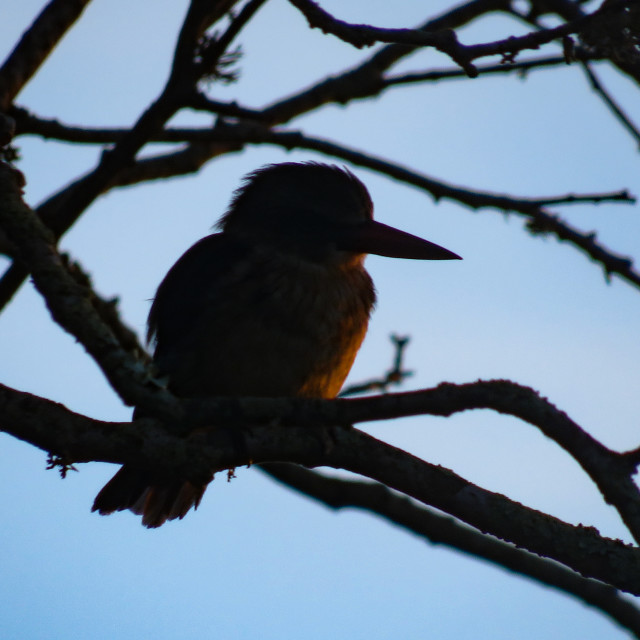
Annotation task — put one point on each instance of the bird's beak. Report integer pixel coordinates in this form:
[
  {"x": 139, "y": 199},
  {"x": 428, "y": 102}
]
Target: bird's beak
[{"x": 374, "y": 237}]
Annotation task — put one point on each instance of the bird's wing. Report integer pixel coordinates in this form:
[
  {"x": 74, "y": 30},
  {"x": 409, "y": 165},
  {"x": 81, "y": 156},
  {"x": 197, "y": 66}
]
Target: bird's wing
[{"x": 188, "y": 288}]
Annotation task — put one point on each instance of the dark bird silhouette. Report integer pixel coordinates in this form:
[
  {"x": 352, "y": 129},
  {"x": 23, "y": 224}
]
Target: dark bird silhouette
[{"x": 276, "y": 304}]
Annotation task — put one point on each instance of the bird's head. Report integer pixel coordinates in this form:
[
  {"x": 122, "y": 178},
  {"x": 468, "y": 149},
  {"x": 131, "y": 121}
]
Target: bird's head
[{"x": 318, "y": 212}]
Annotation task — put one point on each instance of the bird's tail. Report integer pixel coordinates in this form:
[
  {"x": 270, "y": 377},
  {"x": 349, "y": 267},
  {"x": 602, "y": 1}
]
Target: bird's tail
[{"x": 155, "y": 499}]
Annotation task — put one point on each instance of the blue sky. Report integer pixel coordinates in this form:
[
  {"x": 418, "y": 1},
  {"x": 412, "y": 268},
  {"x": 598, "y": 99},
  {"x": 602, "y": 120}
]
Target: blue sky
[{"x": 257, "y": 560}]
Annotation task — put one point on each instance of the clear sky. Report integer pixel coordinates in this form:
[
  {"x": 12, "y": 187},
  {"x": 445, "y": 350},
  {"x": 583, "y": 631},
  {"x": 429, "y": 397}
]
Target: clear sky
[{"x": 257, "y": 561}]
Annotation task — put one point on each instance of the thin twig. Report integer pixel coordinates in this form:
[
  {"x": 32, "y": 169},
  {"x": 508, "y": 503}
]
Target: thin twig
[
  {"x": 613, "y": 106},
  {"x": 521, "y": 69},
  {"x": 454, "y": 74},
  {"x": 578, "y": 198},
  {"x": 215, "y": 49},
  {"x": 396, "y": 375}
]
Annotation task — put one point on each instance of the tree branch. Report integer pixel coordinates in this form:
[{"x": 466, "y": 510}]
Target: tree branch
[
  {"x": 396, "y": 375},
  {"x": 214, "y": 48},
  {"x": 606, "y": 38},
  {"x": 336, "y": 493},
  {"x": 366, "y": 79},
  {"x": 70, "y": 303},
  {"x": 613, "y": 106},
  {"x": 539, "y": 221},
  {"x": 610, "y": 471},
  {"x": 362, "y": 35},
  {"x": 521, "y": 68},
  {"x": 35, "y": 46},
  {"x": 62, "y": 211},
  {"x": 446, "y": 41},
  {"x": 76, "y": 438},
  {"x": 71, "y": 308},
  {"x": 295, "y": 430}
]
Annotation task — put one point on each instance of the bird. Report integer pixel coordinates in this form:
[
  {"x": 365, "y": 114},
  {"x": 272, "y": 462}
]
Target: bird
[{"x": 275, "y": 304}]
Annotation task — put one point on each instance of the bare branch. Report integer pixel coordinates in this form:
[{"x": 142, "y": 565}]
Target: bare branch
[
  {"x": 592, "y": 198},
  {"x": 446, "y": 41},
  {"x": 611, "y": 472},
  {"x": 396, "y": 375},
  {"x": 509, "y": 47},
  {"x": 519, "y": 68},
  {"x": 295, "y": 430},
  {"x": 214, "y": 48},
  {"x": 70, "y": 302},
  {"x": 61, "y": 211},
  {"x": 603, "y": 37},
  {"x": 362, "y": 35},
  {"x": 70, "y": 307},
  {"x": 337, "y": 493},
  {"x": 481, "y": 509},
  {"x": 539, "y": 221},
  {"x": 107, "y": 310},
  {"x": 80, "y": 439},
  {"x": 35, "y": 46},
  {"x": 613, "y": 106},
  {"x": 366, "y": 80},
  {"x": 52, "y": 129},
  {"x": 184, "y": 70}
]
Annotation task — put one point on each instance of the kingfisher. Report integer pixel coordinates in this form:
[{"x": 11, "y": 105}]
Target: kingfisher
[{"x": 275, "y": 304}]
